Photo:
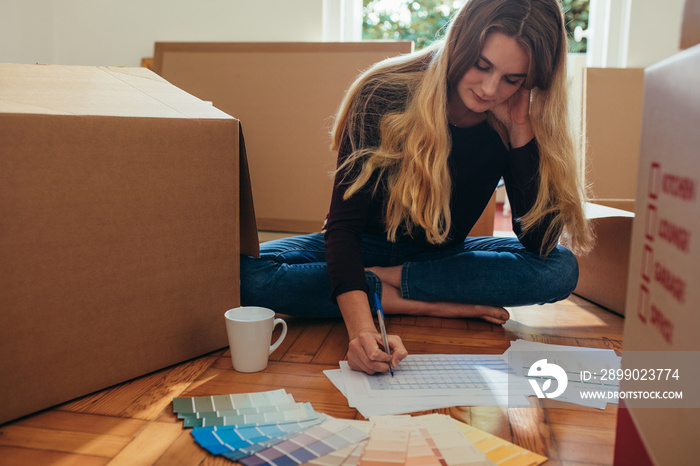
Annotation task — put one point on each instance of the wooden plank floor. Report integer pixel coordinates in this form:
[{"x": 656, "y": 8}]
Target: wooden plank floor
[{"x": 133, "y": 424}]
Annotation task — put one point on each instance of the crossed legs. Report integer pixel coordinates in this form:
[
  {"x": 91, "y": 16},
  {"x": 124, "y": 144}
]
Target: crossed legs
[{"x": 291, "y": 277}]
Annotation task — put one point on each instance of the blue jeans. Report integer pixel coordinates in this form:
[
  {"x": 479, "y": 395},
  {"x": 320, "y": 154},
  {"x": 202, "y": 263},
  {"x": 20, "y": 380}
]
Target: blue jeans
[{"x": 290, "y": 276}]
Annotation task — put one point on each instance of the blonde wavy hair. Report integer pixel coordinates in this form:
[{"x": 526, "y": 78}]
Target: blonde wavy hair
[{"x": 394, "y": 117}]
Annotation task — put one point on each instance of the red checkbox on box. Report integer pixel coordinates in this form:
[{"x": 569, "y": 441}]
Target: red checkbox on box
[
  {"x": 654, "y": 180},
  {"x": 647, "y": 263},
  {"x": 643, "y": 303},
  {"x": 650, "y": 222}
]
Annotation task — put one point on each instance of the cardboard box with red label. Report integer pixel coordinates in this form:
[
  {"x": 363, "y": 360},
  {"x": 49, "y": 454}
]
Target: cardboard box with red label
[{"x": 663, "y": 294}]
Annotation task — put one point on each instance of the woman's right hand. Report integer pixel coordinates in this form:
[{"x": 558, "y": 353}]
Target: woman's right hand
[
  {"x": 366, "y": 355},
  {"x": 365, "y": 350}
]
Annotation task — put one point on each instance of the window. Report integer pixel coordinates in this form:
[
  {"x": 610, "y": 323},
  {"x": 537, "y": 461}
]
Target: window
[{"x": 422, "y": 21}]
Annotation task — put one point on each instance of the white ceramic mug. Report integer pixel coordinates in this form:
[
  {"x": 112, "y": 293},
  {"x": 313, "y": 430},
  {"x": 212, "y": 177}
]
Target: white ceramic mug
[{"x": 249, "y": 330}]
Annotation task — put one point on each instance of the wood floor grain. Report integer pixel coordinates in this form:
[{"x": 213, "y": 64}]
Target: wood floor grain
[{"x": 133, "y": 424}]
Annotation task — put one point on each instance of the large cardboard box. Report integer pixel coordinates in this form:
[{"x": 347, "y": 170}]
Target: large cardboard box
[
  {"x": 603, "y": 271},
  {"x": 119, "y": 243},
  {"x": 663, "y": 320},
  {"x": 286, "y": 95},
  {"x": 612, "y": 109},
  {"x": 611, "y": 127}
]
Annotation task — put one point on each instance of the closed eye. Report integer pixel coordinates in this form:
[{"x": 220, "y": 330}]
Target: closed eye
[{"x": 483, "y": 64}]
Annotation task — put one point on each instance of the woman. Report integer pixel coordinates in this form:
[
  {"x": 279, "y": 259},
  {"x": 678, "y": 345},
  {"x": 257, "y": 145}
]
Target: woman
[{"x": 422, "y": 142}]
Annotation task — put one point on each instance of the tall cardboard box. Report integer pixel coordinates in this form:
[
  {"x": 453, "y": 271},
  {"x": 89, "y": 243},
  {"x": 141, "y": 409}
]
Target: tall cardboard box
[
  {"x": 286, "y": 95},
  {"x": 119, "y": 242},
  {"x": 663, "y": 320},
  {"x": 612, "y": 109},
  {"x": 612, "y": 113}
]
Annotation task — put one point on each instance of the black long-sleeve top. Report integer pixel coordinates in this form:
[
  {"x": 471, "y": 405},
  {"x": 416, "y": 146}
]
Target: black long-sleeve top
[{"x": 476, "y": 163}]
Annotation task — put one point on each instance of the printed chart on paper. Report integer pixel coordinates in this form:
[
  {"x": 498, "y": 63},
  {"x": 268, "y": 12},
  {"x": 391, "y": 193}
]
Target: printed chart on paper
[{"x": 431, "y": 373}]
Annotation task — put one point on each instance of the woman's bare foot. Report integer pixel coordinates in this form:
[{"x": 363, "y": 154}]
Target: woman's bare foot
[
  {"x": 394, "y": 303},
  {"x": 388, "y": 275}
]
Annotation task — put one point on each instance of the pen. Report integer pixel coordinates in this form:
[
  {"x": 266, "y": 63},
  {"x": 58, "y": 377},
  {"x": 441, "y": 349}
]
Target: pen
[{"x": 382, "y": 327}]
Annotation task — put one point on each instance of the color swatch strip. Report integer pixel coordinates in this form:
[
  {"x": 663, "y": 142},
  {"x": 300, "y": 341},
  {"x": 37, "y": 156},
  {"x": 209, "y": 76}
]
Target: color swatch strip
[
  {"x": 282, "y": 413},
  {"x": 501, "y": 452},
  {"x": 318, "y": 441},
  {"x": 431, "y": 440},
  {"x": 231, "y": 402},
  {"x": 241, "y": 439},
  {"x": 235, "y": 412},
  {"x": 454, "y": 447},
  {"x": 386, "y": 445},
  {"x": 348, "y": 456},
  {"x": 263, "y": 444}
]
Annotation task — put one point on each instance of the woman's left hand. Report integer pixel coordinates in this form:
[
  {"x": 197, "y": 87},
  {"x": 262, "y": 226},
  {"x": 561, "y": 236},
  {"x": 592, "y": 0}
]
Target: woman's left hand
[{"x": 514, "y": 113}]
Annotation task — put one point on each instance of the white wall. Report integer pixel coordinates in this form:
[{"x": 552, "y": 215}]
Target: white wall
[
  {"x": 633, "y": 33},
  {"x": 654, "y": 31},
  {"x": 121, "y": 32},
  {"x": 342, "y": 20},
  {"x": 25, "y": 31}
]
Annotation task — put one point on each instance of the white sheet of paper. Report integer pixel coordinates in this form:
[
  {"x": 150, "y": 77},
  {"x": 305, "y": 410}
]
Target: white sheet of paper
[
  {"x": 428, "y": 381},
  {"x": 423, "y": 382},
  {"x": 575, "y": 359}
]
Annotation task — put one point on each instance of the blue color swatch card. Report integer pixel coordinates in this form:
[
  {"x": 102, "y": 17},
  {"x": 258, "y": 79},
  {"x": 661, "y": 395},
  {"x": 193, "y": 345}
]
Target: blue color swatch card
[{"x": 263, "y": 428}]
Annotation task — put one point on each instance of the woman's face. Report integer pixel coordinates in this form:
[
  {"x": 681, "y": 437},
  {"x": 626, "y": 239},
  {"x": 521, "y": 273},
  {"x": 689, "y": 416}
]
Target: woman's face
[{"x": 498, "y": 74}]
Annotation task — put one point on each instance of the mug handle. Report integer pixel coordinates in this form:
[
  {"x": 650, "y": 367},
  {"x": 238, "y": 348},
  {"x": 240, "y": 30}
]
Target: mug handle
[{"x": 281, "y": 337}]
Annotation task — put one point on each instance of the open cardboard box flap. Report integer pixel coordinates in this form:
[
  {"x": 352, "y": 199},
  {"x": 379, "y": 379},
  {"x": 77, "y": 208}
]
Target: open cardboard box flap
[
  {"x": 603, "y": 271},
  {"x": 105, "y": 91}
]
